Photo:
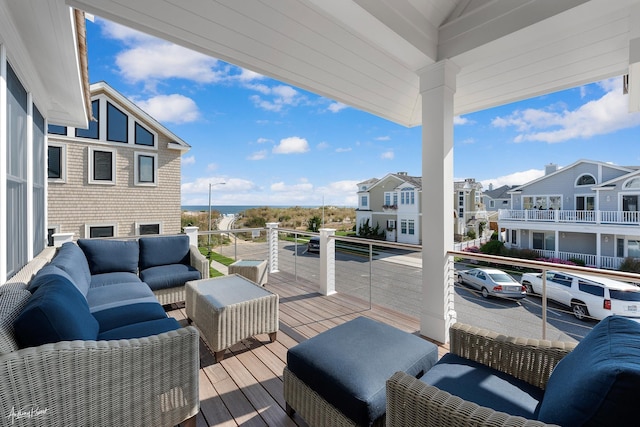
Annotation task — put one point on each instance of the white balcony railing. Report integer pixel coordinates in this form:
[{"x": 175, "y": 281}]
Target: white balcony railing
[{"x": 590, "y": 217}]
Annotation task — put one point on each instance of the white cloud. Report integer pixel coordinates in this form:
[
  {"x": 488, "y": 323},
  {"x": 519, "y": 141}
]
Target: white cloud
[
  {"x": 159, "y": 60},
  {"x": 336, "y": 107},
  {"x": 516, "y": 178},
  {"x": 323, "y": 145},
  {"x": 343, "y": 150},
  {"x": 291, "y": 145},
  {"x": 262, "y": 140},
  {"x": 387, "y": 155},
  {"x": 468, "y": 141},
  {"x": 601, "y": 116},
  {"x": 258, "y": 155},
  {"x": 277, "y": 97},
  {"x": 212, "y": 167},
  {"x": 303, "y": 186},
  {"x": 459, "y": 120},
  {"x": 173, "y": 108},
  {"x": 188, "y": 160},
  {"x": 383, "y": 138}
]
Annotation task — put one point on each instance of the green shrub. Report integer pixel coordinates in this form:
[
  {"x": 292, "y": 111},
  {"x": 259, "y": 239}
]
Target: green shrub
[
  {"x": 577, "y": 261},
  {"x": 492, "y": 247},
  {"x": 630, "y": 265}
]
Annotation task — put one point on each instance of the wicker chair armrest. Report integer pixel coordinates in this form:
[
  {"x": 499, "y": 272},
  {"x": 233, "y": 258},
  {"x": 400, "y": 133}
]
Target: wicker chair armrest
[
  {"x": 530, "y": 360},
  {"x": 199, "y": 261},
  {"x": 411, "y": 402},
  {"x": 151, "y": 381}
]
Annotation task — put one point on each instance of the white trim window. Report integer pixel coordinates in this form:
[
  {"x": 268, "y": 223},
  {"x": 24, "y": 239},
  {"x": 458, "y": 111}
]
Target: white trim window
[
  {"x": 94, "y": 231},
  {"x": 147, "y": 228},
  {"x": 364, "y": 201},
  {"x": 585, "y": 180},
  {"x": 56, "y": 162},
  {"x": 391, "y": 224},
  {"x": 145, "y": 169},
  {"x": 102, "y": 166},
  {"x": 407, "y": 196},
  {"x": 403, "y": 226},
  {"x": 412, "y": 226}
]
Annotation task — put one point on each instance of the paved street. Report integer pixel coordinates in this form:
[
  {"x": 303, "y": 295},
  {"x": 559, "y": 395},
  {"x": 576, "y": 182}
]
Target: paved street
[{"x": 396, "y": 282}]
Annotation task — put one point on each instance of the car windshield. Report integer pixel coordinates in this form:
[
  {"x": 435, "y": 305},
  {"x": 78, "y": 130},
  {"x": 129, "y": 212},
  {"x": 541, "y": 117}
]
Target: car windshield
[
  {"x": 501, "y": 278},
  {"x": 624, "y": 295}
]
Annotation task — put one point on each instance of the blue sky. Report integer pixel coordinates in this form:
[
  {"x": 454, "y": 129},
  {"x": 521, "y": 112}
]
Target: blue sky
[{"x": 275, "y": 144}]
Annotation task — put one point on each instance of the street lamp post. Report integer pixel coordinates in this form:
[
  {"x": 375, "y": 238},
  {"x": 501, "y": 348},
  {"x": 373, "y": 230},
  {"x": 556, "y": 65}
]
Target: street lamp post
[{"x": 209, "y": 235}]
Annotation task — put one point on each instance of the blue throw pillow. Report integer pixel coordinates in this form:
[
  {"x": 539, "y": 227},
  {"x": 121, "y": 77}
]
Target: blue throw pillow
[
  {"x": 164, "y": 250},
  {"x": 57, "y": 311},
  {"x": 108, "y": 256},
  {"x": 598, "y": 383}
]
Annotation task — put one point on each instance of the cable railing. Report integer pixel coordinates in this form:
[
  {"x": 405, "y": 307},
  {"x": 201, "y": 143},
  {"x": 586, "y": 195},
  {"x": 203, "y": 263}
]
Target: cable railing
[{"x": 390, "y": 275}]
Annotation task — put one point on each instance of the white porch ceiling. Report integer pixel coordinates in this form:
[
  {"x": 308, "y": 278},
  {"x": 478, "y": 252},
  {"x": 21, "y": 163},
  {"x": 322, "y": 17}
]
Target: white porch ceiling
[{"x": 368, "y": 53}]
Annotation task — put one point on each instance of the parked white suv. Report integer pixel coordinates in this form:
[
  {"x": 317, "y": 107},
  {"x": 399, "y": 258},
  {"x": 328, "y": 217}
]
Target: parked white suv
[{"x": 587, "y": 296}]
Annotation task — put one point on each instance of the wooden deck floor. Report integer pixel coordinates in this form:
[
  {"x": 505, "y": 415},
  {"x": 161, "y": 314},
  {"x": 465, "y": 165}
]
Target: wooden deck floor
[{"x": 246, "y": 387}]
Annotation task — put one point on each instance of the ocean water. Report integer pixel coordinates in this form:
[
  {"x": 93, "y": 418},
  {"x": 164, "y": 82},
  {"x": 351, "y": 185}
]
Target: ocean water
[{"x": 224, "y": 210}]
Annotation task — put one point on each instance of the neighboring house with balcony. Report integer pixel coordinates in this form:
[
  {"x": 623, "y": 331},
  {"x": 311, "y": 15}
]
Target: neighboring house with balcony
[
  {"x": 495, "y": 199},
  {"x": 393, "y": 204},
  {"x": 468, "y": 210},
  {"x": 587, "y": 210},
  {"x": 120, "y": 177}
]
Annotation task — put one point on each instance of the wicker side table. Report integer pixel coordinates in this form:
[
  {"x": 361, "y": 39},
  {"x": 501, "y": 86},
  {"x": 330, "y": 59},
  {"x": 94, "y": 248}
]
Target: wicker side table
[
  {"x": 254, "y": 270},
  {"x": 229, "y": 309}
]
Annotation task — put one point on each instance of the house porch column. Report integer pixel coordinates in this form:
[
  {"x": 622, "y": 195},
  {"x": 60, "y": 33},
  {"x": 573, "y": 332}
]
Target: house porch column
[{"x": 437, "y": 87}]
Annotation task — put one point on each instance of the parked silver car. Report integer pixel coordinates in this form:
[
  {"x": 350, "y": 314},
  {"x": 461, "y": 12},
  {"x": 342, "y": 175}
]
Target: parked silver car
[
  {"x": 492, "y": 282},
  {"x": 314, "y": 244}
]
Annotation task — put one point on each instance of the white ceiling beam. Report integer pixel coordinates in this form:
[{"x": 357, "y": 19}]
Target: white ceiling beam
[{"x": 494, "y": 21}]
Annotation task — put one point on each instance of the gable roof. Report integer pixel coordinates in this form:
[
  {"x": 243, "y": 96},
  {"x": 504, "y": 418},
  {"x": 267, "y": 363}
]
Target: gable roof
[
  {"x": 500, "y": 192},
  {"x": 103, "y": 87},
  {"x": 566, "y": 168},
  {"x": 416, "y": 181}
]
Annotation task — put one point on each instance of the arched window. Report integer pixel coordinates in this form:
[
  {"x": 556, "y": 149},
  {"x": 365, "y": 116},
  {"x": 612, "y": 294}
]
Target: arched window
[
  {"x": 586, "y": 179},
  {"x": 633, "y": 183}
]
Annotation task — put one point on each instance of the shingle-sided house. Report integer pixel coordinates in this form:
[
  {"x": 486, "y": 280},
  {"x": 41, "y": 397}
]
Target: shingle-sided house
[
  {"x": 125, "y": 170},
  {"x": 588, "y": 210},
  {"x": 393, "y": 204},
  {"x": 468, "y": 208}
]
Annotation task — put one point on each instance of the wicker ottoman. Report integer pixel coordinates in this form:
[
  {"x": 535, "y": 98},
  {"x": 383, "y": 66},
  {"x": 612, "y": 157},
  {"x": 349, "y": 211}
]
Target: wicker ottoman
[
  {"x": 338, "y": 378},
  {"x": 229, "y": 309},
  {"x": 254, "y": 270}
]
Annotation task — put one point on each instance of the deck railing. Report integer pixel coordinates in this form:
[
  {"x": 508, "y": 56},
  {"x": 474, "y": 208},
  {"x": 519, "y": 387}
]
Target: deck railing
[
  {"x": 390, "y": 275},
  {"x": 571, "y": 216}
]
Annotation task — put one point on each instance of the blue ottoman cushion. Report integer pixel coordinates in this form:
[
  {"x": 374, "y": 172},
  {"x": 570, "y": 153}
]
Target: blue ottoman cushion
[
  {"x": 71, "y": 259},
  {"x": 106, "y": 256},
  {"x": 349, "y": 365},
  {"x": 598, "y": 383},
  {"x": 484, "y": 386},
  {"x": 142, "y": 329},
  {"x": 168, "y": 276},
  {"x": 163, "y": 251},
  {"x": 57, "y": 311}
]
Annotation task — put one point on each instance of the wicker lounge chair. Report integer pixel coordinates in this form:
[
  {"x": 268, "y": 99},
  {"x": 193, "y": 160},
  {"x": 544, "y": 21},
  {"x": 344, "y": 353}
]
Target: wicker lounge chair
[{"x": 411, "y": 402}]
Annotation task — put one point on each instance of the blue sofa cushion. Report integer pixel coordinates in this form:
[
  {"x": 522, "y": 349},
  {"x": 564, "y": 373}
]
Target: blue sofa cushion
[
  {"x": 71, "y": 259},
  {"x": 484, "y": 386},
  {"x": 349, "y": 365},
  {"x": 104, "y": 279},
  {"x": 40, "y": 278},
  {"x": 118, "y": 294},
  {"x": 107, "y": 256},
  {"x": 57, "y": 311},
  {"x": 168, "y": 276},
  {"x": 142, "y": 329},
  {"x": 163, "y": 251},
  {"x": 117, "y": 317},
  {"x": 598, "y": 383}
]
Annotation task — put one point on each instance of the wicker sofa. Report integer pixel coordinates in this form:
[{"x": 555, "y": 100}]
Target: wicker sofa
[
  {"x": 142, "y": 372},
  {"x": 592, "y": 383}
]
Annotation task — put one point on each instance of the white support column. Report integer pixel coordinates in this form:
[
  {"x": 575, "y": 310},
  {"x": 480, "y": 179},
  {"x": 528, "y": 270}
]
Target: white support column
[
  {"x": 272, "y": 240},
  {"x": 327, "y": 261},
  {"x": 30, "y": 219},
  {"x": 437, "y": 87},
  {"x": 598, "y": 249},
  {"x": 634, "y": 60},
  {"x": 556, "y": 249},
  {"x": 192, "y": 232}
]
